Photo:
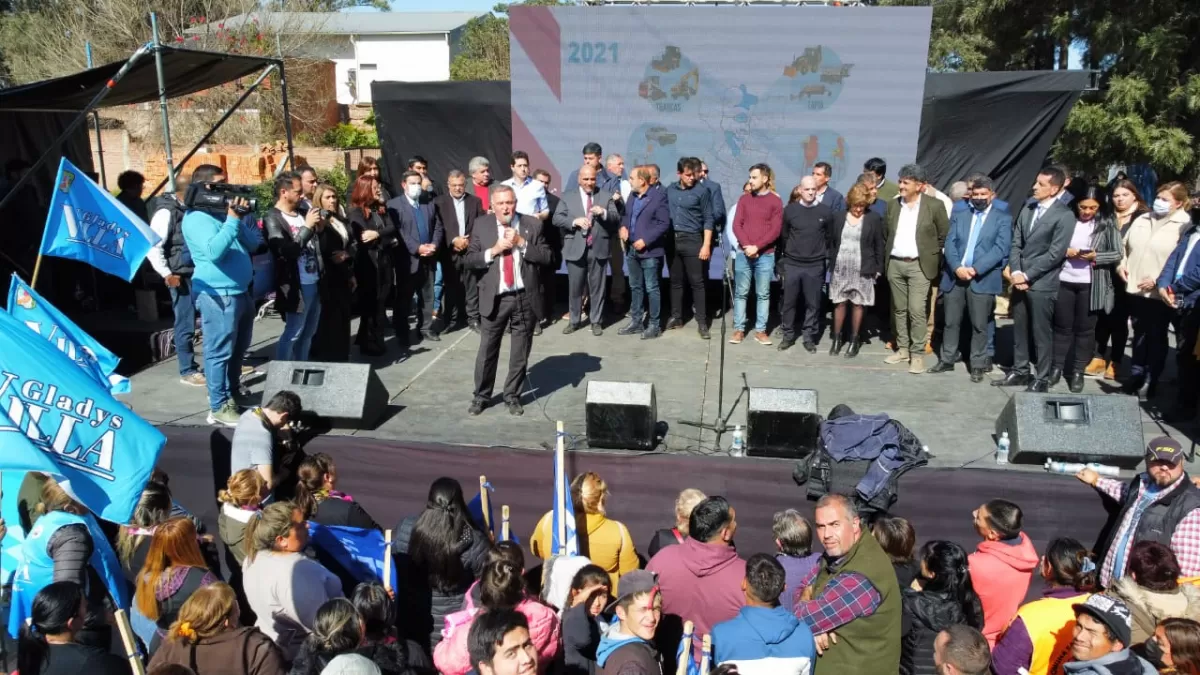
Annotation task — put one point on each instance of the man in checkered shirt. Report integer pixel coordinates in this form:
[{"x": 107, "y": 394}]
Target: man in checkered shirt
[{"x": 1159, "y": 505}]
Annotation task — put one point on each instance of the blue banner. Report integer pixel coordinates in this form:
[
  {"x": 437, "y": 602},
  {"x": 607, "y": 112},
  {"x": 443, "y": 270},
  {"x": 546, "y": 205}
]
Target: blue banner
[
  {"x": 359, "y": 551},
  {"x": 563, "y": 510},
  {"x": 10, "y": 547},
  {"x": 88, "y": 224},
  {"x": 57, "y": 419},
  {"x": 42, "y": 318}
]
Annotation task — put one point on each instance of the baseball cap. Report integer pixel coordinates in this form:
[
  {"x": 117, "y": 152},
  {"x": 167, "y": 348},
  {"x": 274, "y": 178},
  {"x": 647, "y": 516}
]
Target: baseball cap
[
  {"x": 1111, "y": 612},
  {"x": 1166, "y": 449},
  {"x": 633, "y": 583}
]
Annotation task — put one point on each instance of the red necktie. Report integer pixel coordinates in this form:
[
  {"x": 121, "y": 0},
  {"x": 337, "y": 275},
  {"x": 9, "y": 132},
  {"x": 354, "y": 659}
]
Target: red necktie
[
  {"x": 506, "y": 270},
  {"x": 588, "y": 215}
]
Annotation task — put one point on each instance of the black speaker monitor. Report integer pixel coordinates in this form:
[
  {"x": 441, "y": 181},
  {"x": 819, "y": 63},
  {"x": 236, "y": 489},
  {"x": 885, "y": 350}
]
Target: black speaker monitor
[
  {"x": 621, "y": 415},
  {"x": 348, "y": 395},
  {"x": 782, "y": 423},
  {"x": 1074, "y": 428}
]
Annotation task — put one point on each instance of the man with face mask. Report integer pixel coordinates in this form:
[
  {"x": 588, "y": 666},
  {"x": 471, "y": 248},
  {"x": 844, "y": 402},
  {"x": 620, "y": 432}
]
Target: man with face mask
[
  {"x": 420, "y": 229},
  {"x": 1160, "y": 505},
  {"x": 976, "y": 251}
]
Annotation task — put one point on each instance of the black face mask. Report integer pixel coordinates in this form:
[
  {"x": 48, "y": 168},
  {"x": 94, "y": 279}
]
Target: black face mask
[
  {"x": 1153, "y": 653},
  {"x": 980, "y": 204}
]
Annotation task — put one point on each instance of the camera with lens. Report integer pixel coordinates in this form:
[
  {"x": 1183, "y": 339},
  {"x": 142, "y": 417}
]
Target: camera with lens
[{"x": 215, "y": 198}]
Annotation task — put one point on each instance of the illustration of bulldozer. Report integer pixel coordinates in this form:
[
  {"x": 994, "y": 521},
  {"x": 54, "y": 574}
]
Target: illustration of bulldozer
[
  {"x": 687, "y": 86},
  {"x": 808, "y": 62}
]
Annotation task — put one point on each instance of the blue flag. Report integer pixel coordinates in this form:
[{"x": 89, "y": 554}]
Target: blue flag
[
  {"x": 87, "y": 224},
  {"x": 57, "y": 419},
  {"x": 475, "y": 509},
  {"x": 11, "y": 556},
  {"x": 360, "y": 552},
  {"x": 563, "y": 511},
  {"x": 42, "y": 318},
  {"x": 692, "y": 668}
]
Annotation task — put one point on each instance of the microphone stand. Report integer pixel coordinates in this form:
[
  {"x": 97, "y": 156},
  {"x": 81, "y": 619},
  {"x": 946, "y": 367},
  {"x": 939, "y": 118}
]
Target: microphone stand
[{"x": 721, "y": 425}]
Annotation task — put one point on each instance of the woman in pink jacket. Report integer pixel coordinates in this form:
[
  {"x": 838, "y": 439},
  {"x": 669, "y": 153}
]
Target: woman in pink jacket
[{"x": 500, "y": 587}]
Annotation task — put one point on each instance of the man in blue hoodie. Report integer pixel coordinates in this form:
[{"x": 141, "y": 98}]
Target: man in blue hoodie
[
  {"x": 628, "y": 647},
  {"x": 764, "y": 638}
]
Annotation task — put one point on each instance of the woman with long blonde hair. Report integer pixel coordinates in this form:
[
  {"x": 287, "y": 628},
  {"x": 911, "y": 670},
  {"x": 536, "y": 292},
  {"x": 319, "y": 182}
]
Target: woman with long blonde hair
[
  {"x": 208, "y": 638},
  {"x": 606, "y": 542},
  {"x": 174, "y": 570},
  {"x": 338, "y": 247}
]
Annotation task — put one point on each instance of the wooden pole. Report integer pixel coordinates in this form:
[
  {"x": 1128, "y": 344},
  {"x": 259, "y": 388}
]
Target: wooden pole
[
  {"x": 560, "y": 498},
  {"x": 37, "y": 267},
  {"x": 135, "y": 659},
  {"x": 485, "y": 504},
  {"x": 387, "y": 561},
  {"x": 504, "y": 535},
  {"x": 705, "y": 654},
  {"x": 685, "y": 652}
]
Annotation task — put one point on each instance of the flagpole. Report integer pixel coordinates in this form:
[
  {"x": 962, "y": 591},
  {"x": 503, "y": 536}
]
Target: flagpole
[
  {"x": 485, "y": 506},
  {"x": 560, "y": 458},
  {"x": 37, "y": 267},
  {"x": 504, "y": 523},
  {"x": 706, "y": 653},
  {"x": 387, "y": 561},
  {"x": 135, "y": 659},
  {"x": 685, "y": 648}
]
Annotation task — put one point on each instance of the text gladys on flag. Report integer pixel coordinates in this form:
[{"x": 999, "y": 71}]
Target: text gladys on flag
[
  {"x": 57, "y": 419},
  {"x": 88, "y": 224},
  {"x": 44, "y": 319}
]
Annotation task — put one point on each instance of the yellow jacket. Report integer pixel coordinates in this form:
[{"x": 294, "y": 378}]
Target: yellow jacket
[{"x": 607, "y": 544}]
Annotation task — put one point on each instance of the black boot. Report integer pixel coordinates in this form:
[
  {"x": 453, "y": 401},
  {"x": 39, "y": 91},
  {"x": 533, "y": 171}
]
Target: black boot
[
  {"x": 1055, "y": 376},
  {"x": 836, "y": 345},
  {"x": 1075, "y": 383},
  {"x": 853, "y": 350}
]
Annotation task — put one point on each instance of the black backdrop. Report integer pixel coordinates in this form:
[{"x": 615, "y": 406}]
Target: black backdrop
[
  {"x": 999, "y": 123},
  {"x": 448, "y": 123}
]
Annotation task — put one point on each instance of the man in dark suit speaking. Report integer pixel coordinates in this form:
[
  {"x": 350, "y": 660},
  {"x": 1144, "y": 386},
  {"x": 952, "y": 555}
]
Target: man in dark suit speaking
[{"x": 507, "y": 249}]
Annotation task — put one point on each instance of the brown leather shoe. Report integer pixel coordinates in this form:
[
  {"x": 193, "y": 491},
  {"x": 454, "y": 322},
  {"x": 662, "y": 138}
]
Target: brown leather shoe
[
  {"x": 738, "y": 336},
  {"x": 1095, "y": 368},
  {"x": 762, "y": 338}
]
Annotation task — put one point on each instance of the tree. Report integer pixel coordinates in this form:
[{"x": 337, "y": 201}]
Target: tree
[{"x": 483, "y": 49}]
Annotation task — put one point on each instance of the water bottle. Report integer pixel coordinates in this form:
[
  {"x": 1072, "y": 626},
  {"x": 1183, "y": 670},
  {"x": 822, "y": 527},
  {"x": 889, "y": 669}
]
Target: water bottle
[
  {"x": 738, "y": 449},
  {"x": 1002, "y": 448},
  {"x": 1073, "y": 468}
]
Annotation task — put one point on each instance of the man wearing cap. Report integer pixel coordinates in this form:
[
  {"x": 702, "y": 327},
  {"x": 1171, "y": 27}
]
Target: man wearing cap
[
  {"x": 1101, "y": 644},
  {"x": 1158, "y": 505},
  {"x": 628, "y": 647}
]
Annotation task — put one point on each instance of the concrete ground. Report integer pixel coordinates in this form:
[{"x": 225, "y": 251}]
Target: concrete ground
[{"x": 430, "y": 389}]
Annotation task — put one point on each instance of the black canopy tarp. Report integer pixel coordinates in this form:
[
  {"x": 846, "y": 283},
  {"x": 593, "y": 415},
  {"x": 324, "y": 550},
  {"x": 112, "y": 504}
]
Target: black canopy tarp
[
  {"x": 185, "y": 71},
  {"x": 999, "y": 123}
]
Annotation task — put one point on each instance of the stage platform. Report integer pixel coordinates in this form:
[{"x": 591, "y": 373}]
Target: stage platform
[{"x": 431, "y": 387}]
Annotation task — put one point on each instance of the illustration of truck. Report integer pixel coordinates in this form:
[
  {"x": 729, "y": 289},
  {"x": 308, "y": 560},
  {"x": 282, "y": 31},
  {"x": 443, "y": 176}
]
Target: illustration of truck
[
  {"x": 809, "y": 62},
  {"x": 660, "y": 136},
  {"x": 812, "y": 90},
  {"x": 687, "y": 86},
  {"x": 835, "y": 74},
  {"x": 650, "y": 89},
  {"x": 670, "y": 60}
]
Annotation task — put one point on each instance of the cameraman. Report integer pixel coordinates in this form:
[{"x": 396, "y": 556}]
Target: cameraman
[{"x": 221, "y": 283}]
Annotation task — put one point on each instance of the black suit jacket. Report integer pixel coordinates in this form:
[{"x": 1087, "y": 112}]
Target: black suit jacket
[
  {"x": 448, "y": 216},
  {"x": 536, "y": 253},
  {"x": 400, "y": 212}
]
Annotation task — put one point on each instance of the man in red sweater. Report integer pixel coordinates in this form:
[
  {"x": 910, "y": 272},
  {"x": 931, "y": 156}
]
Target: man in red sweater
[
  {"x": 756, "y": 226},
  {"x": 700, "y": 579}
]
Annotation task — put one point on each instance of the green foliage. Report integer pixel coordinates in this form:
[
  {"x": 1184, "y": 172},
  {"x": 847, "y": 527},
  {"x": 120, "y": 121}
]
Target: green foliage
[
  {"x": 349, "y": 136},
  {"x": 483, "y": 49},
  {"x": 264, "y": 192},
  {"x": 337, "y": 177}
]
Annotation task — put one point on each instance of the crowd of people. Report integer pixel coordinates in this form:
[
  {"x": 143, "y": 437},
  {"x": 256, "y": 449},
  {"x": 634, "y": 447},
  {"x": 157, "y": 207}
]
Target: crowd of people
[{"x": 871, "y": 598}]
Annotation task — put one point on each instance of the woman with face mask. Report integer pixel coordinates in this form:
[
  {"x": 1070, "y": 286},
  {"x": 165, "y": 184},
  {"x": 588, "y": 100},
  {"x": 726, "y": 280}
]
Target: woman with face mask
[
  {"x": 1085, "y": 290},
  {"x": 1112, "y": 328},
  {"x": 1148, "y": 243},
  {"x": 1175, "y": 646}
]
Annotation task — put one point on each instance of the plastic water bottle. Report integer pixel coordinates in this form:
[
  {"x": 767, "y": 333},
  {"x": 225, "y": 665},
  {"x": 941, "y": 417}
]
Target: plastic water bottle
[
  {"x": 1002, "y": 448},
  {"x": 1073, "y": 468},
  {"x": 738, "y": 449}
]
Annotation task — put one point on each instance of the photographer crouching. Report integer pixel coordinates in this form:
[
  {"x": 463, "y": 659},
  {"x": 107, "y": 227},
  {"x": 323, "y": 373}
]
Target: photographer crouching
[{"x": 221, "y": 238}]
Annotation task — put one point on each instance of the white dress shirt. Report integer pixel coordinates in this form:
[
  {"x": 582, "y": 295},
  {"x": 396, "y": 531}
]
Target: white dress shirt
[
  {"x": 460, "y": 210},
  {"x": 518, "y": 254},
  {"x": 531, "y": 196},
  {"x": 905, "y": 243}
]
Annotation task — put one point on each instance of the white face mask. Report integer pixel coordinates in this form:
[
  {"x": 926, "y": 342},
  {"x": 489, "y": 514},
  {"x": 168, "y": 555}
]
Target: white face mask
[
  {"x": 1161, "y": 207},
  {"x": 413, "y": 190}
]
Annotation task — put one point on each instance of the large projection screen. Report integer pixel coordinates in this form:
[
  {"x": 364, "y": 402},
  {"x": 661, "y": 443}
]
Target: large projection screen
[{"x": 789, "y": 86}]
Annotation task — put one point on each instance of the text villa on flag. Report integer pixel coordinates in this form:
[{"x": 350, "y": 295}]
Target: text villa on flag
[{"x": 88, "y": 224}]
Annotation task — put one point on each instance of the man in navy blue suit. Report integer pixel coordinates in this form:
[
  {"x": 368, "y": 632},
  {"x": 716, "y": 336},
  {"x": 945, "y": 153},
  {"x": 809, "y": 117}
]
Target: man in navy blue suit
[
  {"x": 826, "y": 195},
  {"x": 976, "y": 251},
  {"x": 964, "y": 204},
  {"x": 644, "y": 230},
  {"x": 420, "y": 229}
]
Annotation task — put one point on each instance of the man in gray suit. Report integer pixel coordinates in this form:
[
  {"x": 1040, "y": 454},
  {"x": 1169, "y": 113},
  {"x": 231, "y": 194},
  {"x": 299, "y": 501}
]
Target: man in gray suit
[
  {"x": 588, "y": 218},
  {"x": 1039, "y": 246}
]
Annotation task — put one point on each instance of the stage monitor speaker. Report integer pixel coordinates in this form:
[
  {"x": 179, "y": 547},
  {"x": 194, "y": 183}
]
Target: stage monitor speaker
[
  {"x": 782, "y": 423},
  {"x": 621, "y": 415},
  {"x": 348, "y": 395},
  {"x": 1074, "y": 428}
]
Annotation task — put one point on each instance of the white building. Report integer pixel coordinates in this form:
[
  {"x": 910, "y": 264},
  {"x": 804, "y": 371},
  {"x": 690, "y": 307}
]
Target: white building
[{"x": 368, "y": 46}]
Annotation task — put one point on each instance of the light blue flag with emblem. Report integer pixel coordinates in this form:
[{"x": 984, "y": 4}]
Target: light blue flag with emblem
[
  {"x": 564, "y": 540},
  {"x": 10, "y": 547},
  {"x": 88, "y": 224},
  {"x": 44, "y": 319},
  {"x": 57, "y": 419}
]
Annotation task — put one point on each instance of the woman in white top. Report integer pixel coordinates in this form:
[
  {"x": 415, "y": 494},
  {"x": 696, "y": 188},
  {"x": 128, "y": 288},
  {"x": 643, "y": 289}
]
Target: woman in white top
[
  {"x": 1148, "y": 243},
  {"x": 284, "y": 588}
]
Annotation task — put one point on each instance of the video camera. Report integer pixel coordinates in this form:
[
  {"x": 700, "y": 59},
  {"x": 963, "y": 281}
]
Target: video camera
[{"x": 214, "y": 198}]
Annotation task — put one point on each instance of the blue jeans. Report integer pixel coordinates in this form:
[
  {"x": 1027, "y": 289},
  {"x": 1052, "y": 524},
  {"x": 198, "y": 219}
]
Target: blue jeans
[
  {"x": 437, "y": 287},
  {"x": 183, "y": 304},
  {"x": 645, "y": 277},
  {"x": 298, "y": 331},
  {"x": 227, "y": 322},
  {"x": 763, "y": 270}
]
